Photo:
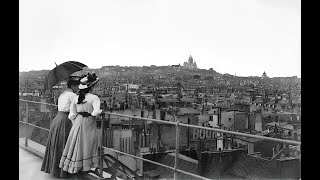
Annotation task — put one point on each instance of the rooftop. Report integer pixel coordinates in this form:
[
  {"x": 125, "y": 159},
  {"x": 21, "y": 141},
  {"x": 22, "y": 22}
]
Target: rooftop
[
  {"x": 254, "y": 168},
  {"x": 184, "y": 163}
]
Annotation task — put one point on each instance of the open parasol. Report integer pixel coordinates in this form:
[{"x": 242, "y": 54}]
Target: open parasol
[{"x": 62, "y": 72}]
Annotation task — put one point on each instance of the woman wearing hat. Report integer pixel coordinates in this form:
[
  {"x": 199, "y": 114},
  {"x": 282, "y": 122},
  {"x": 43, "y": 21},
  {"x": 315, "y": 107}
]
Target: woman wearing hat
[
  {"x": 59, "y": 130},
  {"x": 81, "y": 150}
]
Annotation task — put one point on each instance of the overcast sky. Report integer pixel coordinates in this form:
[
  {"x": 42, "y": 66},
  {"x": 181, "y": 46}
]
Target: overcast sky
[{"x": 242, "y": 37}]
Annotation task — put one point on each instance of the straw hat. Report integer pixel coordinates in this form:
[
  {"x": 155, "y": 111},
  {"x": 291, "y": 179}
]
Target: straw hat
[{"x": 88, "y": 81}]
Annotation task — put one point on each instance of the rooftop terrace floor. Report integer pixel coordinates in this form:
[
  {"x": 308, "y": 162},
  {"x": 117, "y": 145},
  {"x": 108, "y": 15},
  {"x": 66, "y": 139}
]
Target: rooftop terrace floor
[
  {"x": 30, "y": 161},
  {"x": 30, "y": 165}
]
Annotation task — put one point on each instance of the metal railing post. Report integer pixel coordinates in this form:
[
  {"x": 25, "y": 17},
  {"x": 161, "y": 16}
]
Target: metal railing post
[
  {"x": 102, "y": 129},
  {"x": 109, "y": 143},
  {"x": 51, "y": 114},
  {"x": 26, "y": 124},
  {"x": 101, "y": 146},
  {"x": 176, "y": 160}
]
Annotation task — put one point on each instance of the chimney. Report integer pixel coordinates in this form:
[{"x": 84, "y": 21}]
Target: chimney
[
  {"x": 220, "y": 143},
  {"x": 277, "y": 148},
  {"x": 273, "y": 152}
]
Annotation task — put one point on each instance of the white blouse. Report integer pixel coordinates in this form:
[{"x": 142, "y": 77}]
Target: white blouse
[
  {"x": 64, "y": 100},
  {"x": 91, "y": 105}
]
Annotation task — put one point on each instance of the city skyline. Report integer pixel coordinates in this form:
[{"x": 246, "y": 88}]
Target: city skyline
[{"x": 243, "y": 38}]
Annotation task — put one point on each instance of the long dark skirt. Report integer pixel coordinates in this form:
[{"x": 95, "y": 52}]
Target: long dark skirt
[{"x": 58, "y": 135}]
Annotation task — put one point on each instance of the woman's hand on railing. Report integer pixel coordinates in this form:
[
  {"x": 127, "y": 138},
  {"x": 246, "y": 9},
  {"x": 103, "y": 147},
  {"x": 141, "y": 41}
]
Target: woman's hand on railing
[{"x": 98, "y": 119}]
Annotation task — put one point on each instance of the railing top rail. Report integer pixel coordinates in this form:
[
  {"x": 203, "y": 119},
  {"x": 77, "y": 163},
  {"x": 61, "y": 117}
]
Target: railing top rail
[
  {"x": 35, "y": 126},
  {"x": 38, "y": 102},
  {"x": 211, "y": 129}
]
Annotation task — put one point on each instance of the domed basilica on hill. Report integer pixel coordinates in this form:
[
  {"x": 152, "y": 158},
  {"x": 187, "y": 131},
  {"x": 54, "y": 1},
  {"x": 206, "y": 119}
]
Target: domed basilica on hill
[
  {"x": 190, "y": 64},
  {"x": 264, "y": 75}
]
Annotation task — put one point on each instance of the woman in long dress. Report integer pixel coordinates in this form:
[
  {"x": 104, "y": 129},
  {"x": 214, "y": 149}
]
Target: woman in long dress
[
  {"x": 59, "y": 131},
  {"x": 81, "y": 150}
]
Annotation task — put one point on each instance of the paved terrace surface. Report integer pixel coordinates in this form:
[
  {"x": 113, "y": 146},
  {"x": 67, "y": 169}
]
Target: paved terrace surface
[
  {"x": 30, "y": 161},
  {"x": 30, "y": 165}
]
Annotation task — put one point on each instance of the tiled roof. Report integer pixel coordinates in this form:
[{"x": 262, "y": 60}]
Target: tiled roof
[
  {"x": 270, "y": 103},
  {"x": 183, "y": 164},
  {"x": 168, "y": 100},
  {"x": 286, "y": 113},
  {"x": 188, "y": 100},
  {"x": 294, "y": 122},
  {"x": 257, "y": 101},
  {"x": 188, "y": 111},
  {"x": 248, "y": 139},
  {"x": 250, "y": 167}
]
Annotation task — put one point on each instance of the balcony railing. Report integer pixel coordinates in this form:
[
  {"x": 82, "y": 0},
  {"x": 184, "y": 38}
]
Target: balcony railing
[
  {"x": 25, "y": 118},
  {"x": 177, "y": 125}
]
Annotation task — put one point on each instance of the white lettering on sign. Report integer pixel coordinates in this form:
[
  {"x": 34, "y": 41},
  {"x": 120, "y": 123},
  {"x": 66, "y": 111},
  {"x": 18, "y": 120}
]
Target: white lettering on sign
[{"x": 203, "y": 134}]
